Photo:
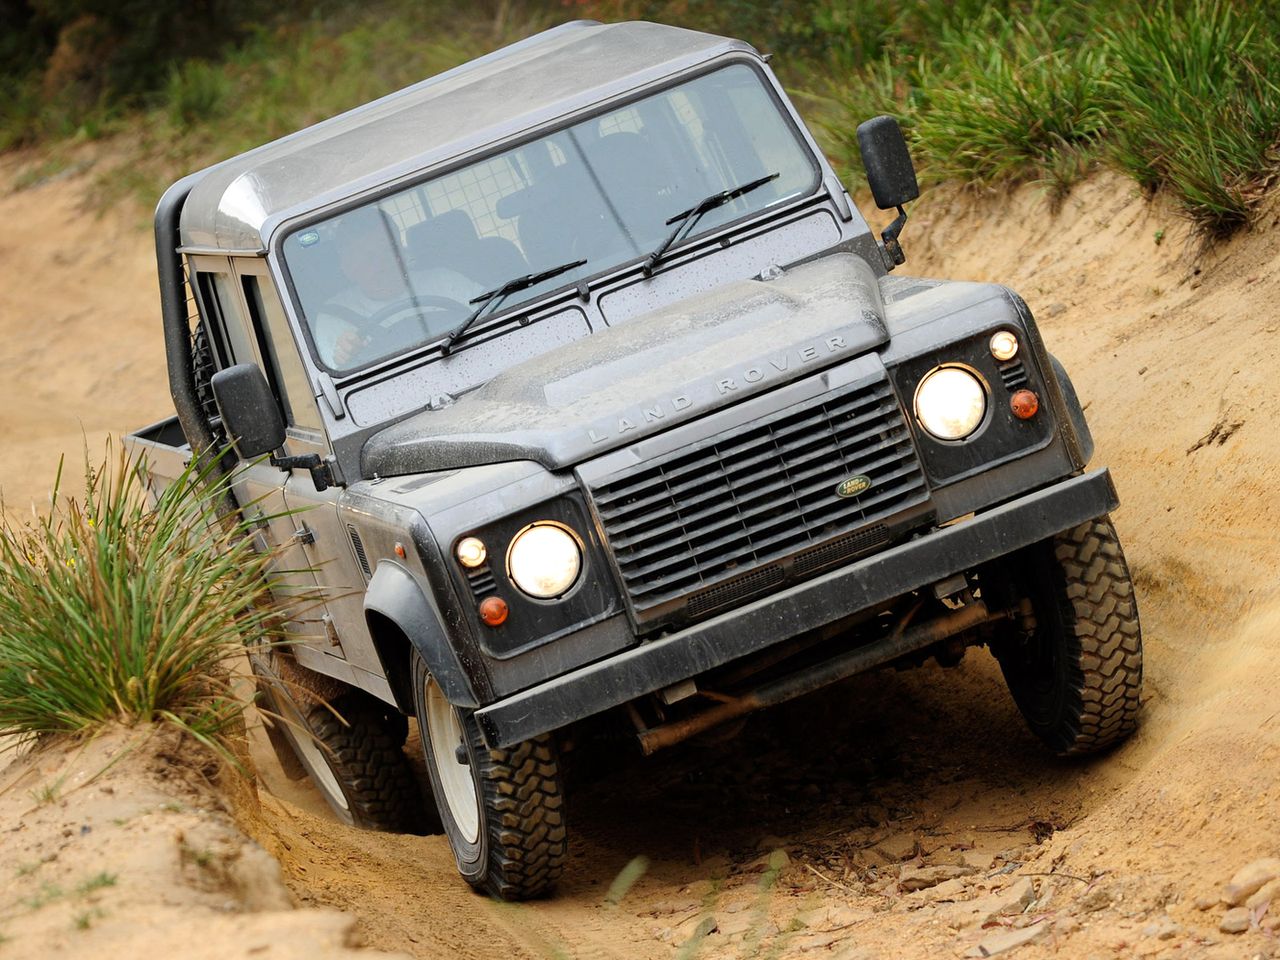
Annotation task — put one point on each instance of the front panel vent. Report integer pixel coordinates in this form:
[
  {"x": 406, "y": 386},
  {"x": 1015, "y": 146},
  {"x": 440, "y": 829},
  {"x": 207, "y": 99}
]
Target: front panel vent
[{"x": 361, "y": 557}]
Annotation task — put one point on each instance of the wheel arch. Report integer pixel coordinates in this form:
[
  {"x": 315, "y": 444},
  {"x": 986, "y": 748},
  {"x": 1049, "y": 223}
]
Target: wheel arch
[{"x": 402, "y": 618}]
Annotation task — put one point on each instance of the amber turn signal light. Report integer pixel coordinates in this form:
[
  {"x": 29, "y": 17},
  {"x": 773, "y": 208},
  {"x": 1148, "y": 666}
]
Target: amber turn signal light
[
  {"x": 493, "y": 611},
  {"x": 1024, "y": 404}
]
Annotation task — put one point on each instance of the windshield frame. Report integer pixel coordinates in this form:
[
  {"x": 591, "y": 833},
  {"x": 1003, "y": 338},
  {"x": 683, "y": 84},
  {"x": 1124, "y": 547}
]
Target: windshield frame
[{"x": 527, "y": 136}]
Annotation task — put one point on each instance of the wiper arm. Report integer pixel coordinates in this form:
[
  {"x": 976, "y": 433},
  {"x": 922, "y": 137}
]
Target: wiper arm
[
  {"x": 688, "y": 219},
  {"x": 491, "y": 299}
]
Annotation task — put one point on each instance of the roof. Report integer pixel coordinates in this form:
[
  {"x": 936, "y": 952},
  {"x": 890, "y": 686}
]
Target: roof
[{"x": 237, "y": 204}]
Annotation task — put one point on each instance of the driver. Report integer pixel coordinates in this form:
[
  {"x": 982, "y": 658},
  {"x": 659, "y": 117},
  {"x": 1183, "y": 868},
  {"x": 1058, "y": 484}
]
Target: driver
[{"x": 385, "y": 306}]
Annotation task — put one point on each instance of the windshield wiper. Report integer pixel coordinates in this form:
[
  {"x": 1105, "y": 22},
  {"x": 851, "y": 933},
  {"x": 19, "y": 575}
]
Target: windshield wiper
[
  {"x": 688, "y": 219},
  {"x": 492, "y": 299}
]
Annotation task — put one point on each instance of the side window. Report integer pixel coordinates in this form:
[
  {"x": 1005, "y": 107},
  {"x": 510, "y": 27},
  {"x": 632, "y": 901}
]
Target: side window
[
  {"x": 285, "y": 372},
  {"x": 220, "y": 305}
]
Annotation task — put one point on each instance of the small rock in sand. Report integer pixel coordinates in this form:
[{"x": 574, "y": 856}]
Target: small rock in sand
[
  {"x": 1235, "y": 920},
  {"x": 918, "y": 878},
  {"x": 1163, "y": 929},
  {"x": 1013, "y": 899},
  {"x": 1007, "y": 940},
  {"x": 1204, "y": 902},
  {"x": 896, "y": 848},
  {"x": 1249, "y": 879},
  {"x": 953, "y": 889},
  {"x": 1095, "y": 900},
  {"x": 1266, "y": 893}
]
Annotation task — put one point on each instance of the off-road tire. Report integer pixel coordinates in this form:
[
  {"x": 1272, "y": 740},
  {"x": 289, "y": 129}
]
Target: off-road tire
[
  {"x": 1077, "y": 677},
  {"x": 522, "y": 842},
  {"x": 360, "y": 746}
]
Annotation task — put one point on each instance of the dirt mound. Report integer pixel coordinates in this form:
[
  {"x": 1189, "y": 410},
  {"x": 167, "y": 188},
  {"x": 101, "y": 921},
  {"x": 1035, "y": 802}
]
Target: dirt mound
[
  {"x": 122, "y": 846},
  {"x": 916, "y": 816}
]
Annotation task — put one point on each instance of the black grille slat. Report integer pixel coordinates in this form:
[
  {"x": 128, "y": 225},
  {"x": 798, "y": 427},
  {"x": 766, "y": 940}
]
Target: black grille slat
[
  {"x": 1014, "y": 374},
  {"x": 825, "y": 484},
  {"x": 481, "y": 582},
  {"x": 727, "y": 518},
  {"x": 760, "y": 545},
  {"x": 824, "y": 445},
  {"x": 688, "y": 465}
]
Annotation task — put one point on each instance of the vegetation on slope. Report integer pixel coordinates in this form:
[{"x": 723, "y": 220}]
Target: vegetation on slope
[
  {"x": 116, "y": 610},
  {"x": 1181, "y": 95}
]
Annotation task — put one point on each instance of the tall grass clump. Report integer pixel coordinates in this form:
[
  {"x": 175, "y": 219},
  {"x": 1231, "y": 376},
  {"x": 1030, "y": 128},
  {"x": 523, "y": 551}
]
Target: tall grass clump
[
  {"x": 112, "y": 610},
  {"x": 1193, "y": 88},
  {"x": 1013, "y": 99},
  {"x": 196, "y": 92}
]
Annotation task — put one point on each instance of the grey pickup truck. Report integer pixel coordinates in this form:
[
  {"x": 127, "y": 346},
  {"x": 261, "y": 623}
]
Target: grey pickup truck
[{"x": 587, "y": 400}]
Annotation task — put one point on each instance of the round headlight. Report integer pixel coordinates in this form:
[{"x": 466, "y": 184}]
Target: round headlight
[
  {"x": 1004, "y": 345},
  {"x": 950, "y": 403},
  {"x": 544, "y": 560},
  {"x": 471, "y": 552}
]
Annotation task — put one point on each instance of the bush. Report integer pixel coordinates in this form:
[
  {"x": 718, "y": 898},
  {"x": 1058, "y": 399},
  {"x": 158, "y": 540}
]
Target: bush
[
  {"x": 1196, "y": 105},
  {"x": 113, "y": 611},
  {"x": 1013, "y": 98},
  {"x": 196, "y": 92}
]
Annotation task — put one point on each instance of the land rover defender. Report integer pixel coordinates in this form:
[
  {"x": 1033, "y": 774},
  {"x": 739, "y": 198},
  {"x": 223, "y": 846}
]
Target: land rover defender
[{"x": 584, "y": 395}]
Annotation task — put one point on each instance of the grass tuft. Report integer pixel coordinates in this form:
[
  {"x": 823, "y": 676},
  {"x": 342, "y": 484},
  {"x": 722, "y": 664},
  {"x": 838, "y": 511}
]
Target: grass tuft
[
  {"x": 1195, "y": 85},
  {"x": 98, "y": 881},
  {"x": 1013, "y": 99},
  {"x": 114, "y": 611}
]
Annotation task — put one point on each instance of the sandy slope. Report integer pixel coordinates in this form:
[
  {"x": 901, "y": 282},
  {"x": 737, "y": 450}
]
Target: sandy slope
[
  {"x": 121, "y": 847},
  {"x": 1173, "y": 353}
]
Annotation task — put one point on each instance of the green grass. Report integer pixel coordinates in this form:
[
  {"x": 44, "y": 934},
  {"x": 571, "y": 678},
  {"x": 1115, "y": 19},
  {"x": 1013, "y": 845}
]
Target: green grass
[
  {"x": 1179, "y": 95},
  {"x": 111, "y": 611},
  {"x": 1196, "y": 85},
  {"x": 98, "y": 881},
  {"x": 1012, "y": 100}
]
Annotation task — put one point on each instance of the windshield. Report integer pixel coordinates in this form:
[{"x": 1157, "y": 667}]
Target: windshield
[{"x": 392, "y": 275}]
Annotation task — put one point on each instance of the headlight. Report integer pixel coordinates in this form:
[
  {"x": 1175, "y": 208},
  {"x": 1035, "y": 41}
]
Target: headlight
[
  {"x": 544, "y": 560},
  {"x": 950, "y": 403}
]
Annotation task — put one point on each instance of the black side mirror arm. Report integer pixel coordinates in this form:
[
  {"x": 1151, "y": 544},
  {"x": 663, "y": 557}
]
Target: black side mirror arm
[
  {"x": 894, "y": 257},
  {"x": 321, "y": 475}
]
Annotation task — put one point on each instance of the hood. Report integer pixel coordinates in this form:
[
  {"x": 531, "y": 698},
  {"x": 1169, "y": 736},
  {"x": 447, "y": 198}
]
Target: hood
[{"x": 647, "y": 374}]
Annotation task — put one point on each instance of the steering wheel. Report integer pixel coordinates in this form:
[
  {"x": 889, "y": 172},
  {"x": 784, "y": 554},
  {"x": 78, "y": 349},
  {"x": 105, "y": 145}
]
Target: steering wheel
[
  {"x": 428, "y": 301},
  {"x": 378, "y": 333}
]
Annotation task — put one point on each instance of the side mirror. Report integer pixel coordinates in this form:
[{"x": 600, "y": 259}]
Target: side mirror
[
  {"x": 891, "y": 176},
  {"x": 890, "y": 172},
  {"x": 248, "y": 410}
]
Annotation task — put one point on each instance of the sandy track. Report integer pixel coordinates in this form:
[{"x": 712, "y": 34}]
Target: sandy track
[{"x": 1177, "y": 368}]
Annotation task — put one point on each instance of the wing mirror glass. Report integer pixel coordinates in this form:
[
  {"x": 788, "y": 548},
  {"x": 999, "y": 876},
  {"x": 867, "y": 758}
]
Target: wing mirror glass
[
  {"x": 891, "y": 176},
  {"x": 890, "y": 172},
  {"x": 248, "y": 410}
]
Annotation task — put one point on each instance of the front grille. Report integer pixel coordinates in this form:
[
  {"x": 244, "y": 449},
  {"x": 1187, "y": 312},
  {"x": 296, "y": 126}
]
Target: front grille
[{"x": 718, "y": 520}]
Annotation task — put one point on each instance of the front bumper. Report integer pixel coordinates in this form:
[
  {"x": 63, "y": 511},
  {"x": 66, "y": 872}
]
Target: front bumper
[{"x": 833, "y": 596}]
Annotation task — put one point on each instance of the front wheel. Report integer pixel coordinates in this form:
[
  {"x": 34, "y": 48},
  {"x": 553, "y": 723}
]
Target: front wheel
[
  {"x": 502, "y": 810},
  {"x": 1076, "y": 674},
  {"x": 351, "y": 749}
]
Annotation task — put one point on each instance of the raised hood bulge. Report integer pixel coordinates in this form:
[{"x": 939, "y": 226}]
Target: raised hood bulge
[{"x": 648, "y": 374}]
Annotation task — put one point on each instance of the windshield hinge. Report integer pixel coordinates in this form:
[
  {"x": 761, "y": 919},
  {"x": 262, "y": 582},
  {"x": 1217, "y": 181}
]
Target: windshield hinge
[{"x": 330, "y": 394}]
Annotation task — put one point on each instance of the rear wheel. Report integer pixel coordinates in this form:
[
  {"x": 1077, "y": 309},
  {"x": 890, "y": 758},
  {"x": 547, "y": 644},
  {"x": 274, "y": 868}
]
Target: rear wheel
[
  {"x": 502, "y": 810},
  {"x": 352, "y": 750},
  {"x": 1076, "y": 674}
]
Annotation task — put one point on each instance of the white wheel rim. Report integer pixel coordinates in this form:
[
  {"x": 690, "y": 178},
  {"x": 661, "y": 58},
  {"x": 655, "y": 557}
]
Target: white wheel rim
[
  {"x": 456, "y": 782},
  {"x": 313, "y": 755}
]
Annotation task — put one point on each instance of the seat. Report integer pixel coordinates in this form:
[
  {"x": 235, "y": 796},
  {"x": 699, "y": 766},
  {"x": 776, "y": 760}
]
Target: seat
[{"x": 449, "y": 240}]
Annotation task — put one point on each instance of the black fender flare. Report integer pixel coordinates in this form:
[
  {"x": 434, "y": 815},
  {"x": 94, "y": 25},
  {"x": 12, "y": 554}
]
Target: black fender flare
[
  {"x": 394, "y": 595},
  {"x": 1084, "y": 436}
]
